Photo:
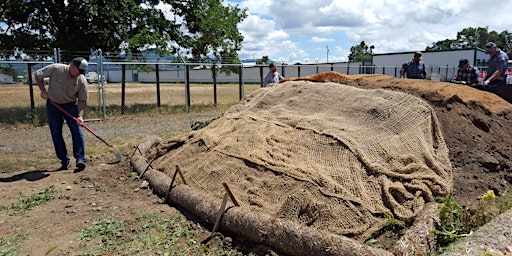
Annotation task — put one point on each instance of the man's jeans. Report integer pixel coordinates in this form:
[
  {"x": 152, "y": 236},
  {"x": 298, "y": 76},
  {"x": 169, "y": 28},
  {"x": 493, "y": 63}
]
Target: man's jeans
[{"x": 56, "y": 120}]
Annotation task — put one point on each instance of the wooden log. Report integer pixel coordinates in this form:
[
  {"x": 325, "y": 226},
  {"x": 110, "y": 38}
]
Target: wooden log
[
  {"x": 286, "y": 236},
  {"x": 418, "y": 240}
]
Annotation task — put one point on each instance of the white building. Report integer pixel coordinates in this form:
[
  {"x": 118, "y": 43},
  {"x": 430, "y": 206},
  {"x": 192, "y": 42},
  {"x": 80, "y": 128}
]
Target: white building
[
  {"x": 6, "y": 79},
  {"x": 443, "y": 62}
]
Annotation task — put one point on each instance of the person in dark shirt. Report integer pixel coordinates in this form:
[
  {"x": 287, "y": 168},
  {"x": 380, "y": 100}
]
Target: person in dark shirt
[
  {"x": 415, "y": 68},
  {"x": 467, "y": 74}
]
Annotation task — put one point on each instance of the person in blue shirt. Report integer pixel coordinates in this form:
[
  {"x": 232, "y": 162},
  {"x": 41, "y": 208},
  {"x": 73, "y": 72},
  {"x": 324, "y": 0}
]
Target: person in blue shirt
[
  {"x": 415, "y": 68},
  {"x": 272, "y": 76},
  {"x": 497, "y": 66},
  {"x": 497, "y": 71}
]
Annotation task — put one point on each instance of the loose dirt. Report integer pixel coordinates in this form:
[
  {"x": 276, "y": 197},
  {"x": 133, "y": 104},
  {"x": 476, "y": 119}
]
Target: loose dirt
[{"x": 475, "y": 124}]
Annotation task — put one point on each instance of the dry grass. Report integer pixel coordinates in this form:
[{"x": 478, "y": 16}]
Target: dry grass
[{"x": 18, "y": 95}]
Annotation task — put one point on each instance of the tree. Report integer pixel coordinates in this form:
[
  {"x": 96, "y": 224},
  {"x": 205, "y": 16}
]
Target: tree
[
  {"x": 475, "y": 38},
  {"x": 212, "y": 31},
  {"x": 263, "y": 60},
  {"x": 361, "y": 52},
  {"x": 128, "y": 26}
]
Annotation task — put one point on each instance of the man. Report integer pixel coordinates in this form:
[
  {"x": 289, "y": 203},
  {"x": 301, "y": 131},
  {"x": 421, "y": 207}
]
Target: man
[
  {"x": 467, "y": 73},
  {"x": 68, "y": 88},
  {"x": 497, "y": 66},
  {"x": 273, "y": 76},
  {"x": 415, "y": 68}
]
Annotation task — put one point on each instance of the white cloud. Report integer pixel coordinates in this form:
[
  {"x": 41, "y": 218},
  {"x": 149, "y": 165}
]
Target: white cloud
[
  {"x": 317, "y": 39},
  {"x": 301, "y": 29}
]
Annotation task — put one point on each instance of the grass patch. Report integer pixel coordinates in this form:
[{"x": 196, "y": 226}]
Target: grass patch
[
  {"x": 458, "y": 221},
  {"x": 9, "y": 245},
  {"x": 106, "y": 231},
  {"x": 149, "y": 234},
  {"x": 24, "y": 204}
]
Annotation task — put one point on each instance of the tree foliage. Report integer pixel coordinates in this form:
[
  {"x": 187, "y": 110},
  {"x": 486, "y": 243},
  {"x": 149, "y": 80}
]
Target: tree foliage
[
  {"x": 129, "y": 26},
  {"x": 213, "y": 35},
  {"x": 264, "y": 60},
  {"x": 361, "y": 52},
  {"x": 475, "y": 38}
]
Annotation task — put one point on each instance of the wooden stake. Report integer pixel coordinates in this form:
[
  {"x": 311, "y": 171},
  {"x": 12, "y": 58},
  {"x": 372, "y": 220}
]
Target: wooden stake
[
  {"x": 220, "y": 213},
  {"x": 147, "y": 167},
  {"x": 181, "y": 175},
  {"x": 230, "y": 194},
  {"x": 170, "y": 186}
]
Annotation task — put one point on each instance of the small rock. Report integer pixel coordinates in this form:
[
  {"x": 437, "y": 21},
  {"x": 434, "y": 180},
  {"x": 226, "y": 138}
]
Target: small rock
[
  {"x": 144, "y": 185},
  {"x": 68, "y": 187}
]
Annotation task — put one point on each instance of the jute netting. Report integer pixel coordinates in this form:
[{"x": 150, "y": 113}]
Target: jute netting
[{"x": 327, "y": 155}]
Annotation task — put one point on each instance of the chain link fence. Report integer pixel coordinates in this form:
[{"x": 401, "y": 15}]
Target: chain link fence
[{"x": 152, "y": 84}]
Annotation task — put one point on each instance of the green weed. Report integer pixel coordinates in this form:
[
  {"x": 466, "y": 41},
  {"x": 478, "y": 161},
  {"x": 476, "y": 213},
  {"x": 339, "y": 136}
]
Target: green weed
[
  {"x": 458, "y": 221},
  {"x": 8, "y": 245},
  {"x": 24, "y": 204},
  {"x": 150, "y": 234}
]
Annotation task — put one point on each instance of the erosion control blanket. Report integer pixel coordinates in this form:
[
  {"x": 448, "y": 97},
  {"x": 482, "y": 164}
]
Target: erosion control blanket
[{"x": 326, "y": 155}]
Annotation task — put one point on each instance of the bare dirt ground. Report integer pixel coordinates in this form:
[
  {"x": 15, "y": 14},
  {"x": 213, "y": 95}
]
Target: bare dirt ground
[{"x": 476, "y": 128}]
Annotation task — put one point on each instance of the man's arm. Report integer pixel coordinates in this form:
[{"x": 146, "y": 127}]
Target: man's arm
[
  {"x": 81, "y": 108},
  {"x": 494, "y": 75},
  {"x": 402, "y": 70},
  {"x": 40, "y": 84}
]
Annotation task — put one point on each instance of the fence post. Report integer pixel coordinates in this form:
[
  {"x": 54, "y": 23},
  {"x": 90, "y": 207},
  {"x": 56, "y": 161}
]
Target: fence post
[
  {"x": 32, "y": 105},
  {"x": 157, "y": 73},
  {"x": 240, "y": 82},
  {"x": 123, "y": 88},
  {"x": 298, "y": 70},
  {"x": 261, "y": 76},
  {"x": 187, "y": 87},
  {"x": 214, "y": 76},
  {"x": 446, "y": 77}
]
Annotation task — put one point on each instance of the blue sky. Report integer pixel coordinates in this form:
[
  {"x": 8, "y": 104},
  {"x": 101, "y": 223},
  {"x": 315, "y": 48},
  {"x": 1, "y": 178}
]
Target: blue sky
[{"x": 310, "y": 31}]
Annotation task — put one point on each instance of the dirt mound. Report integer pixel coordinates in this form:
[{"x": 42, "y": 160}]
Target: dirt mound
[
  {"x": 327, "y": 155},
  {"x": 476, "y": 127},
  {"x": 473, "y": 123}
]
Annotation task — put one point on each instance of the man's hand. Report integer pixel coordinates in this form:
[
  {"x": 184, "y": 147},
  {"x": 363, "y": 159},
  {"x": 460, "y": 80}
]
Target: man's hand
[
  {"x": 80, "y": 120},
  {"x": 486, "y": 83},
  {"x": 44, "y": 95}
]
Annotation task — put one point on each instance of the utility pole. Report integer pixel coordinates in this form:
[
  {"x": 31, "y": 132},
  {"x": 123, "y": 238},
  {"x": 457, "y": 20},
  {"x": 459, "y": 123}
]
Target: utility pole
[{"x": 327, "y": 53}]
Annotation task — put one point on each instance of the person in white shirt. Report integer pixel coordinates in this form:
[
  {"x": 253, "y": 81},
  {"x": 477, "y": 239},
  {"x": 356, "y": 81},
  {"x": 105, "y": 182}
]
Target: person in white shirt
[{"x": 273, "y": 76}]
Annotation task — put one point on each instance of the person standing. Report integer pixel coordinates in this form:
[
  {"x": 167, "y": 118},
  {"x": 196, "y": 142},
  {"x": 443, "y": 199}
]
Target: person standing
[
  {"x": 467, "y": 73},
  {"x": 67, "y": 87},
  {"x": 497, "y": 71},
  {"x": 272, "y": 76},
  {"x": 497, "y": 66},
  {"x": 415, "y": 68}
]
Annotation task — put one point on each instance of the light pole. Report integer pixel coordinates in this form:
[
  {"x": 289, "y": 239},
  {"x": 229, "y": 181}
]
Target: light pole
[{"x": 327, "y": 53}]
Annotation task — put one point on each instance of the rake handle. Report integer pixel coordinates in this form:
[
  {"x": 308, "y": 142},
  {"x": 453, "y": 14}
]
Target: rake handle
[{"x": 76, "y": 120}]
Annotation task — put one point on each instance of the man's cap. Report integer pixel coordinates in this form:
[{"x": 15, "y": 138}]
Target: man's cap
[
  {"x": 463, "y": 62},
  {"x": 489, "y": 47},
  {"x": 418, "y": 54},
  {"x": 81, "y": 64}
]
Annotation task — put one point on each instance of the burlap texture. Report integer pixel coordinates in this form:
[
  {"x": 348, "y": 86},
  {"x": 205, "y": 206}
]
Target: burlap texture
[{"x": 327, "y": 155}]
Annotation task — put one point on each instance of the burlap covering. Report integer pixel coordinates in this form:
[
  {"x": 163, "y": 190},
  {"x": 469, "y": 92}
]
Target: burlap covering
[{"x": 326, "y": 155}]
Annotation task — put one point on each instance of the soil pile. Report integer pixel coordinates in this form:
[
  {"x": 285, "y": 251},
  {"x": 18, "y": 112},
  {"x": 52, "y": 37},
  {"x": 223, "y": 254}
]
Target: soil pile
[
  {"x": 327, "y": 155},
  {"x": 283, "y": 148}
]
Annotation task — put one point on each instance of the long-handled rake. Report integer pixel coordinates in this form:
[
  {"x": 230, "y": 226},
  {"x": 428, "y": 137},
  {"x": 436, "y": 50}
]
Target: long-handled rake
[{"x": 116, "y": 151}]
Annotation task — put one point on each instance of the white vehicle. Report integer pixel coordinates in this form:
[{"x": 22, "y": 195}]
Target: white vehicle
[{"x": 92, "y": 77}]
